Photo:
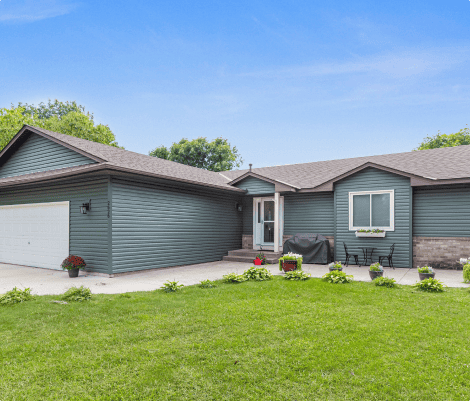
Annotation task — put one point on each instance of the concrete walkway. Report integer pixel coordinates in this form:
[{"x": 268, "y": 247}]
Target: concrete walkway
[{"x": 53, "y": 282}]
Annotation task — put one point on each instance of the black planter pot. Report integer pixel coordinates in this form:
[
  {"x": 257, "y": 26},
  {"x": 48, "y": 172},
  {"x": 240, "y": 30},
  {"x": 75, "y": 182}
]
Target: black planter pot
[
  {"x": 374, "y": 274},
  {"x": 334, "y": 268},
  {"x": 73, "y": 272},
  {"x": 424, "y": 276}
]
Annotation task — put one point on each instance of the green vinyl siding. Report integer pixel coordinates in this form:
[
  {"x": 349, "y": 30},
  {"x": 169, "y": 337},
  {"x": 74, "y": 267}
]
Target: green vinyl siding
[
  {"x": 372, "y": 179},
  {"x": 40, "y": 154},
  {"x": 255, "y": 186},
  {"x": 441, "y": 212},
  {"x": 165, "y": 226},
  {"x": 248, "y": 215},
  {"x": 88, "y": 233},
  {"x": 309, "y": 213}
]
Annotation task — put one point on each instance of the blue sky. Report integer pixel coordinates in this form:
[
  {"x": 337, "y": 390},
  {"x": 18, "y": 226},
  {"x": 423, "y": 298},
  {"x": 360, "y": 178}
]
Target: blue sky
[{"x": 284, "y": 81}]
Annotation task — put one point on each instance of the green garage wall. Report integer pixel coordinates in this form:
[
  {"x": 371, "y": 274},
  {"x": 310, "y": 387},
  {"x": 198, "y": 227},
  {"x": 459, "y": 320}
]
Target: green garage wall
[
  {"x": 441, "y": 212},
  {"x": 255, "y": 186},
  {"x": 309, "y": 213},
  {"x": 88, "y": 233},
  {"x": 371, "y": 179},
  {"x": 156, "y": 226},
  {"x": 41, "y": 154}
]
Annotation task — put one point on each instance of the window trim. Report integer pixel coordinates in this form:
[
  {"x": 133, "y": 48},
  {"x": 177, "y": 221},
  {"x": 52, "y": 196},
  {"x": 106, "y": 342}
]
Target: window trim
[{"x": 392, "y": 210}]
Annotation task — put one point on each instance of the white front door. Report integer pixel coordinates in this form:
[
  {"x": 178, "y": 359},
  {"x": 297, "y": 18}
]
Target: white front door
[
  {"x": 264, "y": 222},
  {"x": 35, "y": 234}
]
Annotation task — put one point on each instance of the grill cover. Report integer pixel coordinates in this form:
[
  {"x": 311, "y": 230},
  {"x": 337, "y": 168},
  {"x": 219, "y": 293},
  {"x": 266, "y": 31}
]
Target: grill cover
[{"x": 314, "y": 248}]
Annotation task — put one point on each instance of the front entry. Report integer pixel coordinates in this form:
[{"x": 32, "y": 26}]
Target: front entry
[{"x": 265, "y": 224}]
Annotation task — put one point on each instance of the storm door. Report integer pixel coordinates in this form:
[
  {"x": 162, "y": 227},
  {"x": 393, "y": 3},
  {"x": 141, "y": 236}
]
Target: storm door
[{"x": 264, "y": 223}]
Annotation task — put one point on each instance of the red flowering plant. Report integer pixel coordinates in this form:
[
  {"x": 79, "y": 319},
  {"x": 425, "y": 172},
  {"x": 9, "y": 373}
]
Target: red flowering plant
[{"x": 73, "y": 262}]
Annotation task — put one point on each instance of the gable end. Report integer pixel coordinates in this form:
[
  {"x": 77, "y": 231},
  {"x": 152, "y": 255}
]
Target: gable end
[{"x": 36, "y": 153}]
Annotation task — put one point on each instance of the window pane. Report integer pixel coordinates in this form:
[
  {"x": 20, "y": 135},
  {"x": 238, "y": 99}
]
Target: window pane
[
  {"x": 259, "y": 212},
  {"x": 381, "y": 210},
  {"x": 361, "y": 210},
  {"x": 268, "y": 232},
  {"x": 268, "y": 210}
]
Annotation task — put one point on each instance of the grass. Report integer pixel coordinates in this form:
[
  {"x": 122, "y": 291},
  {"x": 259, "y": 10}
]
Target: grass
[{"x": 275, "y": 340}]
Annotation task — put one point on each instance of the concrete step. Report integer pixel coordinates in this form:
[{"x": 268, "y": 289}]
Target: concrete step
[
  {"x": 248, "y": 259},
  {"x": 252, "y": 253}
]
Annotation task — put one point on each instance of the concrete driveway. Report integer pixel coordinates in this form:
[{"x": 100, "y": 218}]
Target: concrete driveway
[{"x": 53, "y": 282}]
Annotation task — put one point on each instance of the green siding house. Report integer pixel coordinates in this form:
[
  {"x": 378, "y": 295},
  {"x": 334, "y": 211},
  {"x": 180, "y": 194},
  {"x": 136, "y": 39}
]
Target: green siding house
[{"x": 122, "y": 211}]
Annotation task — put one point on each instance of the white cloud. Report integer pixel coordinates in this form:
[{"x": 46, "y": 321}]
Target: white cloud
[
  {"x": 33, "y": 10},
  {"x": 399, "y": 65}
]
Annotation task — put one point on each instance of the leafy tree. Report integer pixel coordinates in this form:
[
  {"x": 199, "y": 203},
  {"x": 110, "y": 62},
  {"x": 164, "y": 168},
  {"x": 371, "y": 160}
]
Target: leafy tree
[
  {"x": 217, "y": 155},
  {"x": 67, "y": 118},
  {"x": 439, "y": 140}
]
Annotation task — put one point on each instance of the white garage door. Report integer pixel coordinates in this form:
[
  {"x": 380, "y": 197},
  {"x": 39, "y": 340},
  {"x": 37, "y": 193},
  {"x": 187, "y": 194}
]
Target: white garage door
[{"x": 35, "y": 234}]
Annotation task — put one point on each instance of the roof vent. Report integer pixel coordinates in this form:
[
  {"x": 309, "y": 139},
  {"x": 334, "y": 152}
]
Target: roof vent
[{"x": 250, "y": 166}]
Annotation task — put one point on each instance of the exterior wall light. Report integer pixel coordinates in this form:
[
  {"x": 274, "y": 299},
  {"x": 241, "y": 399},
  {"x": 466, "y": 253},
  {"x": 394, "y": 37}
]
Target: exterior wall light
[
  {"x": 85, "y": 207},
  {"x": 239, "y": 207}
]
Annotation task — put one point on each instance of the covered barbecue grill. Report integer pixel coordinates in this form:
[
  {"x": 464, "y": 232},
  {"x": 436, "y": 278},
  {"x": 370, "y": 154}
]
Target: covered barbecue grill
[{"x": 314, "y": 248}]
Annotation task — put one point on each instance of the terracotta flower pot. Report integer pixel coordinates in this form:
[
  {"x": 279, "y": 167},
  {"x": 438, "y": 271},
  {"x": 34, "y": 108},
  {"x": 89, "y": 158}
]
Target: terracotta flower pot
[
  {"x": 375, "y": 274},
  {"x": 73, "y": 272},
  {"x": 424, "y": 276},
  {"x": 289, "y": 265}
]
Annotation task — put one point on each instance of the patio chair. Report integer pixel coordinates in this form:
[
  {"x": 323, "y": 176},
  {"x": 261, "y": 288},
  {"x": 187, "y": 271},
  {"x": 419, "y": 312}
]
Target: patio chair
[
  {"x": 348, "y": 255},
  {"x": 388, "y": 257}
]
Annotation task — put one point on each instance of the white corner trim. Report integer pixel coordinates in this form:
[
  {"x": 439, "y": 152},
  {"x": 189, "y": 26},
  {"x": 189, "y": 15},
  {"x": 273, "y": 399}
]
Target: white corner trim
[{"x": 392, "y": 210}]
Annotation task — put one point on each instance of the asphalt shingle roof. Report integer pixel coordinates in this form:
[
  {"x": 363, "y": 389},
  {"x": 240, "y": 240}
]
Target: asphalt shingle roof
[
  {"x": 125, "y": 159},
  {"x": 437, "y": 164}
]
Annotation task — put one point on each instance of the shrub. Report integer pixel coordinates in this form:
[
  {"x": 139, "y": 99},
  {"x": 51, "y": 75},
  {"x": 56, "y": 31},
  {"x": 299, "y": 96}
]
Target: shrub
[
  {"x": 257, "y": 274},
  {"x": 425, "y": 269},
  {"x": 234, "y": 278},
  {"x": 385, "y": 282},
  {"x": 16, "y": 296},
  {"x": 297, "y": 275},
  {"x": 73, "y": 262},
  {"x": 77, "y": 294},
  {"x": 207, "y": 284},
  {"x": 291, "y": 256},
  {"x": 376, "y": 267},
  {"x": 171, "y": 286},
  {"x": 429, "y": 285},
  {"x": 466, "y": 273},
  {"x": 337, "y": 277}
]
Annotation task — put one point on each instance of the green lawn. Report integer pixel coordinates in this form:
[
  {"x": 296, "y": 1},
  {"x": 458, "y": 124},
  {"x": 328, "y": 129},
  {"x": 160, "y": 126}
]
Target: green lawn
[{"x": 275, "y": 340}]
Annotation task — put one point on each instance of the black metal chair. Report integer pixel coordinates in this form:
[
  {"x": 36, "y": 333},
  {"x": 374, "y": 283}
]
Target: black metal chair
[
  {"x": 388, "y": 257},
  {"x": 348, "y": 255}
]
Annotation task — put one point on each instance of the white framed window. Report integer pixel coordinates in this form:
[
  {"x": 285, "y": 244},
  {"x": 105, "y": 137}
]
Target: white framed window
[{"x": 371, "y": 210}]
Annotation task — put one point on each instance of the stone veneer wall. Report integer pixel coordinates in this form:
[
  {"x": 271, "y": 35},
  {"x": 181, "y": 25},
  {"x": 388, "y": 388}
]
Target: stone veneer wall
[
  {"x": 440, "y": 252},
  {"x": 247, "y": 241}
]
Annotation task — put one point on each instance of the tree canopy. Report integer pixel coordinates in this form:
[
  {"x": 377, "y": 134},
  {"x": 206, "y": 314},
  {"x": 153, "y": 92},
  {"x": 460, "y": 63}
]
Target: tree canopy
[
  {"x": 439, "y": 140},
  {"x": 217, "y": 155},
  {"x": 66, "y": 118}
]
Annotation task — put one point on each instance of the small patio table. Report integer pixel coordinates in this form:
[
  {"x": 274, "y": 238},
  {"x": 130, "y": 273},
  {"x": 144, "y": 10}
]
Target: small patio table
[{"x": 368, "y": 251}]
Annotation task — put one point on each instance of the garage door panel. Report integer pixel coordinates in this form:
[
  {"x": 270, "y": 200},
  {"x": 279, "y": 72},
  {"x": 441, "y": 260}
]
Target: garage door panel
[{"x": 35, "y": 234}]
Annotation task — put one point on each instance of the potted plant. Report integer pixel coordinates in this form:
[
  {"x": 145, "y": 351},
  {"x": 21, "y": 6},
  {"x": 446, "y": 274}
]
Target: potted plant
[
  {"x": 335, "y": 266},
  {"x": 290, "y": 261},
  {"x": 73, "y": 264},
  {"x": 260, "y": 259},
  {"x": 376, "y": 270},
  {"x": 425, "y": 272},
  {"x": 370, "y": 233}
]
